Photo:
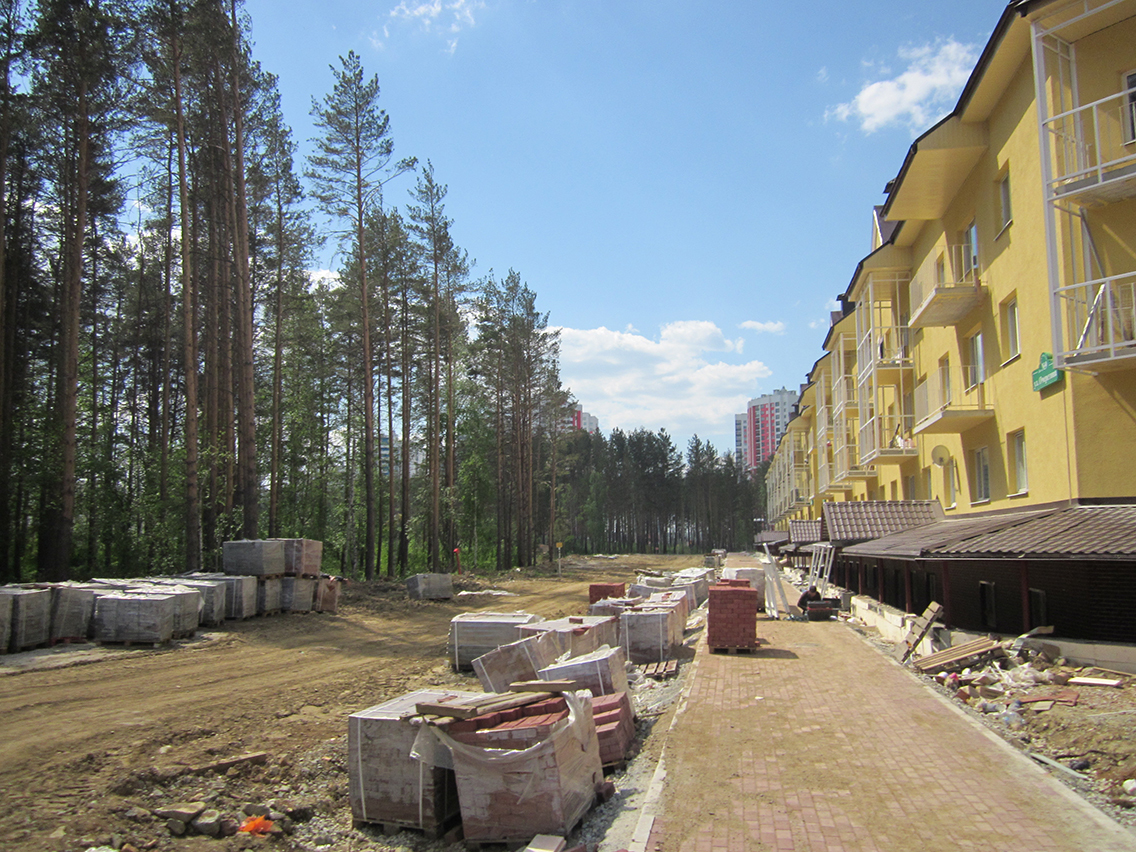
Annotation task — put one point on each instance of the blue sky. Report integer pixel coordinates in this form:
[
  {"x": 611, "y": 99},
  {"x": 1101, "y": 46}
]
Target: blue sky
[{"x": 658, "y": 171}]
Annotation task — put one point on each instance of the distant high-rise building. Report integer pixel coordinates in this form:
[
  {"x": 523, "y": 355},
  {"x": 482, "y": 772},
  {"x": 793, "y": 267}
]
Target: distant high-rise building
[
  {"x": 582, "y": 420},
  {"x": 757, "y": 432}
]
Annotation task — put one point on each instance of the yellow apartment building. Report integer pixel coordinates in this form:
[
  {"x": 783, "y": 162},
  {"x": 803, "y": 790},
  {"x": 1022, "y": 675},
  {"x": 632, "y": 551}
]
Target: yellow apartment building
[{"x": 985, "y": 355}]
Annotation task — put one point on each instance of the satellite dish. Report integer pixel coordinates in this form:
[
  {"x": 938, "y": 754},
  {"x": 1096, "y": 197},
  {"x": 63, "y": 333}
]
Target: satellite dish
[{"x": 940, "y": 455}]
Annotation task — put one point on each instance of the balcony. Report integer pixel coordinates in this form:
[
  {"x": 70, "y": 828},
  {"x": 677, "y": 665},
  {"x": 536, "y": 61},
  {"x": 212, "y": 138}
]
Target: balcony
[
  {"x": 945, "y": 289},
  {"x": 844, "y": 396},
  {"x": 951, "y": 401},
  {"x": 1100, "y": 322},
  {"x": 1093, "y": 150},
  {"x": 826, "y": 478},
  {"x": 846, "y": 457},
  {"x": 885, "y": 439},
  {"x": 884, "y": 350}
]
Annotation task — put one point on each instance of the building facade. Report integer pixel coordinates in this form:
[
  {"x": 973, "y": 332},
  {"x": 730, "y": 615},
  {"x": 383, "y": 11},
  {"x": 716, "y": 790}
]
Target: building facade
[
  {"x": 985, "y": 353},
  {"x": 757, "y": 432}
]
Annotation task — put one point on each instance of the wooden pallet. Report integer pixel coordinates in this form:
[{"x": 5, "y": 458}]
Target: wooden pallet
[
  {"x": 919, "y": 629},
  {"x": 958, "y": 657},
  {"x": 661, "y": 671},
  {"x": 449, "y": 832},
  {"x": 733, "y": 649}
]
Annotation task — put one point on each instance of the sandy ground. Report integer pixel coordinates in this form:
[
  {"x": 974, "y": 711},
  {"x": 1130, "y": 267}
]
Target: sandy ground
[{"x": 92, "y": 739}]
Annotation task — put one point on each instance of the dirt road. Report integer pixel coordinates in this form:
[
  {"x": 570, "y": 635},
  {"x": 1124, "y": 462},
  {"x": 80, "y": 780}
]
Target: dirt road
[{"x": 80, "y": 745}]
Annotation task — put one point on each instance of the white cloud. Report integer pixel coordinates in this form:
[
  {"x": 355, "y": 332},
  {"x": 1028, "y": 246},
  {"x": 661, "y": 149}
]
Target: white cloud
[
  {"x": 685, "y": 381},
  {"x": 921, "y": 94},
  {"x": 443, "y": 16},
  {"x": 773, "y": 327},
  {"x": 822, "y": 75}
]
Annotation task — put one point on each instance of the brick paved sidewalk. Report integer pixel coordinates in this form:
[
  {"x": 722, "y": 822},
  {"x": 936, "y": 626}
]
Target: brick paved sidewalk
[{"x": 820, "y": 742}]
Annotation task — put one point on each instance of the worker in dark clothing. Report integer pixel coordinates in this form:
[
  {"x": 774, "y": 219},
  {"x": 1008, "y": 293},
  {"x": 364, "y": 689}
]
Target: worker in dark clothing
[{"x": 811, "y": 595}]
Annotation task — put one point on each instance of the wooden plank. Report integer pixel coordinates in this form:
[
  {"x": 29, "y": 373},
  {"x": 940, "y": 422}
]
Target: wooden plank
[
  {"x": 1095, "y": 681},
  {"x": 952, "y": 656},
  {"x": 258, "y": 758},
  {"x": 919, "y": 630},
  {"x": 554, "y": 686}
]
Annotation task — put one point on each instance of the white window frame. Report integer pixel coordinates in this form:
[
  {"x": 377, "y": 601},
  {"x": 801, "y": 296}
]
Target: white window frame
[
  {"x": 970, "y": 251},
  {"x": 1017, "y": 442},
  {"x": 950, "y": 492},
  {"x": 1011, "y": 328},
  {"x": 980, "y": 486},
  {"x": 976, "y": 357},
  {"x": 1128, "y": 80},
  {"x": 1005, "y": 209}
]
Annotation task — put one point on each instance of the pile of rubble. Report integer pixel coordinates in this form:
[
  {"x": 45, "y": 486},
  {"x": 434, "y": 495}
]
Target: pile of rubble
[{"x": 260, "y": 578}]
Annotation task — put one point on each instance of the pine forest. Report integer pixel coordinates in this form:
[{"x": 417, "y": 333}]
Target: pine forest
[{"x": 173, "y": 374}]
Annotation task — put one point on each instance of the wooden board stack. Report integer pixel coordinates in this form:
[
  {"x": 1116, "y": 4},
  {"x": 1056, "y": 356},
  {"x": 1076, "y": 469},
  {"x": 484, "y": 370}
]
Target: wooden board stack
[
  {"x": 516, "y": 661},
  {"x": 297, "y": 594},
  {"x": 386, "y": 784},
  {"x": 604, "y": 671},
  {"x": 254, "y": 557},
  {"x": 126, "y": 617},
  {"x": 430, "y": 587},
  {"x": 475, "y": 633},
  {"x": 30, "y": 619},
  {"x": 577, "y": 634}
]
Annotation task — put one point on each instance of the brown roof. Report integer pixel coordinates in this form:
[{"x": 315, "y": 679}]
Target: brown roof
[
  {"x": 916, "y": 542},
  {"x": 866, "y": 519},
  {"x": 1107, "y": 531},
  {"x": 807, "y": 531}
]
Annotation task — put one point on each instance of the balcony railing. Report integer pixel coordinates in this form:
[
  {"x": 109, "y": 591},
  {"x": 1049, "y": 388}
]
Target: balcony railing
[
  {"x": 883, "y": 348},
  {"x": 846, "y": 460},
  {"x": 952, "y": 400},
  {"x": 946, "y": 288},
  {"x": 1094, "y": 150},
  {"x": 1100, "y": 322},
  {"x": 844, "y": 393},
  {"x": 886, "y": 439}
]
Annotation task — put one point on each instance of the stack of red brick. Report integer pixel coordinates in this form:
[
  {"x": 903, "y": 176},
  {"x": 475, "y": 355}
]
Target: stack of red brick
[
  {"x": 615, "y": 726},
  {"x": 732, "y": 621},
  {"x": 517, "y": 728},
  {"x": 602, "y": 591}
]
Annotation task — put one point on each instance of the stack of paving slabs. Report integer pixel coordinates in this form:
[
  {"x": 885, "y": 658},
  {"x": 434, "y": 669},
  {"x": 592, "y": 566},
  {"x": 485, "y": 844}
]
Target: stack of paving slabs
[
  {"x": 297, "y": 594},
  {"x": 475, "y": 633},
  {"x": 72, "y": 612},
  {"x": 188, "y": 605},
  {"x": 600, "y": 591},
  {"x": 214, "y": 595},
  {"x": 302, "y": 556},
  {"x": 604, "y": 671},
  {"x": 126, "y": 617},
  {"x": 684, "y": 598},
  {"x": 521, "y": 775},
  {"x": 615, "y": 726},
  {"x": 5, "y": 620},
  {"x": 650, "y": 632},
  {"x": 732, "y": 621},
  {"x": 430, "y": 587},
  {"x": 615, "y": 606},
  {"x": 326, "y": 595},
  {"x": 517, "y": 661},
  {"x": 754, "y": 576},
  {"x": 269, "y": 594},
  {"x": 30, "y": 618},
  {"x": 388, "y": 785},
  {"x": 240, "y": 593},
  {"x": 577, "y": 634},
  {"x": 254, "y": 557}
]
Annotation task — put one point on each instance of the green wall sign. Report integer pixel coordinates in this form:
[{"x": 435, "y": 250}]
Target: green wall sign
[{"x": 1046, "y": 373}]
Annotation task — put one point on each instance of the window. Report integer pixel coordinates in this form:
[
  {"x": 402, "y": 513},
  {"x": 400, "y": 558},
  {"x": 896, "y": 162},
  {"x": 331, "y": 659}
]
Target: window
[
  {"x": 940, "y": 270},
  {"x": 976, "y": 366},
  {"x": 1004, "y": 208},
  {"x": 949, "y": 496},
  {"x": 945, "y": 378},
  {"x": 1010, "y": 328},
  {"x": 1130, "y": 107},
  {"x": 987, "y": 603},
  {"x": 980, "y": 489},
  {"x": 970, "y": 251},
  {"x": 1017, "y": 442}
]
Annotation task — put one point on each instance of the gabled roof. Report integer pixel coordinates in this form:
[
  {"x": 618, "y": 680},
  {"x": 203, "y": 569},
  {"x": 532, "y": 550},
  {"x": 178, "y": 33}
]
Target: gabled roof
[{"x": 860, "y": 520}]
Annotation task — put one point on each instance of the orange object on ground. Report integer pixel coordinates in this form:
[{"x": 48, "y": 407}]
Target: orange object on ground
[{"x": 257, "y": 826}]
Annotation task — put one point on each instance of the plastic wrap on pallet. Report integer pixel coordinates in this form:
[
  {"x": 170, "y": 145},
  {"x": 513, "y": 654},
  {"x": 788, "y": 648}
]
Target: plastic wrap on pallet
[
  {"x": 268, "y": 594},
  {"x": 651, "y": 632},
  {"x": 188, "y": 604},
  {"x": 5, "y": 621},
  {"x": 475, "y": 633},
  {"x": 511, "y": 795},
  {"x": 129, "y": 617},
  {"x": 578, "y": 634},
  {"x": 240, "y": 593},
  {"x": 303, "y": 557},
  {"x": 297, "y": 594},
  {"x": 30, "y": 617},
  {"x": 255, "y": 557},
  {"x": 214, "y": 595},
  {"x": 72, "y": 611},
  {"x": 433, "y": 587},
  {"x": 326, "y": 595},
  {"x": 516, "y": 661},
  {"x": 604, "y": 671},
  {"x": 386, "y": 784}
]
